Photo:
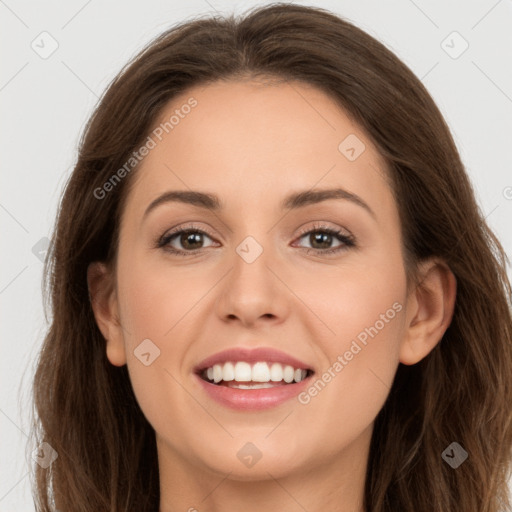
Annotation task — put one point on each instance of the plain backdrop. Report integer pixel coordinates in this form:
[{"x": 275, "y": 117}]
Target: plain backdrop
[{"x": 46, "y": 99}]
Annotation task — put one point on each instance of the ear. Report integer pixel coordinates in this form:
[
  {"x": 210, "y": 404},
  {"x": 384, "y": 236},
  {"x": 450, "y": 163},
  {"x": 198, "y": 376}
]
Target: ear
[
  {"x": 429, "y": 311},
  {"x": 103, "y": 298}
]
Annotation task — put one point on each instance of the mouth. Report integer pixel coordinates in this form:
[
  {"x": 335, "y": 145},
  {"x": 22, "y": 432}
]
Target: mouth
[
  {"x": 252, "y": 376},
  {"x": 252, "y": 379}
]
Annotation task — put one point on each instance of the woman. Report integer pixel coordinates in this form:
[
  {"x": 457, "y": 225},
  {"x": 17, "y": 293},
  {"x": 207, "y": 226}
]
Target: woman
[{"x": 200, "y": 357}]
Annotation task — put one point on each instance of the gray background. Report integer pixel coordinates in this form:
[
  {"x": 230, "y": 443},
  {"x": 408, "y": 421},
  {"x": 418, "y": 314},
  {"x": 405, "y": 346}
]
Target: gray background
[{"x": 46, "y": 101}]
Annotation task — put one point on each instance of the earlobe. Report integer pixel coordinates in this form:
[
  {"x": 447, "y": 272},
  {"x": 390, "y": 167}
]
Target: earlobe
[
  {"x": 104, "y": 304},
  {"x": 429, "y": 311}
]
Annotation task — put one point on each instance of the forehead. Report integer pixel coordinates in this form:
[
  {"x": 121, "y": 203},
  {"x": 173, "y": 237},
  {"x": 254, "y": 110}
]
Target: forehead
[{"x": 253, "y": 139}]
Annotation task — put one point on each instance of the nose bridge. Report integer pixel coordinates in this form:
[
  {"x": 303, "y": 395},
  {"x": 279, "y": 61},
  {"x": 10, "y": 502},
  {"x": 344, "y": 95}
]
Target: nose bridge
[
  {"x": 250, "y": 277},
  {"x": 250, "y": 250},
  {"x": 251, "y": 289},
  {"x": 251, "y": 239}
]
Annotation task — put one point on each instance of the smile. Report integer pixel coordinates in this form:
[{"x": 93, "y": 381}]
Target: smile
[
  {"x": 248, "y": 379},
  {"x": 260, "y": 375}
]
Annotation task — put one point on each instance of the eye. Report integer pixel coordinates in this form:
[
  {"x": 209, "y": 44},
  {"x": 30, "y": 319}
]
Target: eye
[
  {"x": 324, "y": 237},
  {"x": 189, "y": 238}
]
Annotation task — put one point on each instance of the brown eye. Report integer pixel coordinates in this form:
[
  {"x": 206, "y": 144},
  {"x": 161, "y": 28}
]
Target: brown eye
[
  {"x": 190, "y": 240},
  {"x": 184, "y": 241},
  {"x": 321, "y": 240}
]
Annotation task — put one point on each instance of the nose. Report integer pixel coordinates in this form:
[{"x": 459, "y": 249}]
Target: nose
[{"x": 252, "y": 292}]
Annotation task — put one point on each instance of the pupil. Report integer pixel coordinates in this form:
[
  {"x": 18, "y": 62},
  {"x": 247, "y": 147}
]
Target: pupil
[
  {"x": 190, "y": 238},
  {"x": 326, "y": 237}
]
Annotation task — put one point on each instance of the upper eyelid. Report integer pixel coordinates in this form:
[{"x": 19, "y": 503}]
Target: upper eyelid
[
  {"x": 318, "y": 226},
  {"x": 180, "y": 229}
]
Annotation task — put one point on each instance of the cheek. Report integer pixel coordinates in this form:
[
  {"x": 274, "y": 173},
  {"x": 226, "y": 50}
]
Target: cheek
[
  {"x": 155, "y": 297},
  {"x": 365, "y": 310},
  {"x": 157, "y": 306}
]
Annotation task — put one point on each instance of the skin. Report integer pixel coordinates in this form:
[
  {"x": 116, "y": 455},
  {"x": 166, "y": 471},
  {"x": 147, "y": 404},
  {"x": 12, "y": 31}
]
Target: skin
[{"x": 252, "y": 143}]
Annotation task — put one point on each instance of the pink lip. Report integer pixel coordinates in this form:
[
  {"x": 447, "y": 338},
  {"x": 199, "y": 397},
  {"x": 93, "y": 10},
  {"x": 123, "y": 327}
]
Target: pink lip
[
  {"x": 252, "y": 399},
  {"x": 254, "y": 355}
]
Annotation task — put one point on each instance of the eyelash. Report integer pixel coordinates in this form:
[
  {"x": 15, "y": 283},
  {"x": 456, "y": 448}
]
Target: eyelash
[{"x": 347, "y": 240}]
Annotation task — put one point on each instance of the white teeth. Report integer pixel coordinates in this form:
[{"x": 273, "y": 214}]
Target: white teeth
[
  {"x": 228, "y": 372},
  {"x": 299, "y": 375},
  {"x": 217, "y": 373},
  {"x": 288, "y": 373},
  {"x": 276, "y": 372},
  {"x": 243, "y": 372},
  {"x": 261, "y": 371}
]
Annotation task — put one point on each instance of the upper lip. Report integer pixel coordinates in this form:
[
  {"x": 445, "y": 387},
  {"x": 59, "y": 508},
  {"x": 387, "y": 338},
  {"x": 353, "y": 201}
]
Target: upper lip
[{"x": 253, "y": 355}]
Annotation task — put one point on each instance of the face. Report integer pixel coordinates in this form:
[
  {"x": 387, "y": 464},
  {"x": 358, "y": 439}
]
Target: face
[{"x": 322, "y": 282}]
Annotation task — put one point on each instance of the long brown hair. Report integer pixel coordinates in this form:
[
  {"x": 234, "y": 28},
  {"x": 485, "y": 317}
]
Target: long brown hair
[{"x": 461, "y": 392}]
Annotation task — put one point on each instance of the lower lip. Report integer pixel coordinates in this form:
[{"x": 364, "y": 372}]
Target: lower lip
[{"x": 253, "y": 399}]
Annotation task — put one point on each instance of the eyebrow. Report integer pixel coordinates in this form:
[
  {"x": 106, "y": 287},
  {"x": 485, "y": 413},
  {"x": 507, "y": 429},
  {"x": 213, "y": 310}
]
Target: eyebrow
[{"x": 292, "y": 202}]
